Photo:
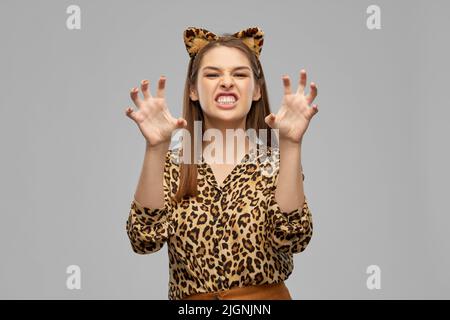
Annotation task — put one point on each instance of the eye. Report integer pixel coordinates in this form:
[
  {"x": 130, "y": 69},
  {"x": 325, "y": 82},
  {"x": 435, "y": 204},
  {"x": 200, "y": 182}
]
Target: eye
[{"x": 241, "y": 75}]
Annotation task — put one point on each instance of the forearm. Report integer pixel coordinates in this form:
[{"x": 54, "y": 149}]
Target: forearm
[
  {"x": 289, "y": 193},
  {"x": 150, "y": 190}
]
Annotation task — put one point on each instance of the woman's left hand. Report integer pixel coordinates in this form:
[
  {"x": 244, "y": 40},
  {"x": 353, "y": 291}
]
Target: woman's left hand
[{"x": 295, "y": 112}]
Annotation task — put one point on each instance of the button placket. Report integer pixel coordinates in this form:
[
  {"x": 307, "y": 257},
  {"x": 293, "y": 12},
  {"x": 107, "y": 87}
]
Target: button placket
[
  {"x": 221, "y": 281},
  {"x": 217, "y": 201},
  {"x": 217, "y": 242},
  {"x": 222, "y": 226}
]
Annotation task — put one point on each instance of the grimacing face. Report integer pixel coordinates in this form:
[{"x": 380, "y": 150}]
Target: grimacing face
[{"x": 228, "y": 77}]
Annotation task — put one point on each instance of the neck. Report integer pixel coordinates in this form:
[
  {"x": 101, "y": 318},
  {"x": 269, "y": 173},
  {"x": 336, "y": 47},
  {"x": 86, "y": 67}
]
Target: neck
[{"x": 233, "y": 146}]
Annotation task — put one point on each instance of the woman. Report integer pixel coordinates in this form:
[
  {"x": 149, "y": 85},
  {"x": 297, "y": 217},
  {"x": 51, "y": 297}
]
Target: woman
[{"x": 231, "y": 228}]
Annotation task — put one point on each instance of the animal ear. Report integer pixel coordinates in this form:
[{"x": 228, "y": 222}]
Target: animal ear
[
  {"x": 253, "y": 37},
  {"x": 196, "y": 38}
]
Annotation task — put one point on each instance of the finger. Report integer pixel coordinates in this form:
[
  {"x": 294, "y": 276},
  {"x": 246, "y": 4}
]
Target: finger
[
  {"x": 287, "y": 84},
  {"x": 314, "y": 109},
  {"x": 312, "y": 93},
  {"x": 134, "y": 94},
  {"x": 145, "y": 90},
  {"x": 129, "y": 112},
  {"x": 270, "y": 120},
  {"x": 181, "y": 123},
  {"x": 302, "y": 82},
  {"x": 161, "y": 86}
]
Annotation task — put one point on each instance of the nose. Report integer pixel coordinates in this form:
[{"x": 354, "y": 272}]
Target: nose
[{"x": 227, "y": 81}]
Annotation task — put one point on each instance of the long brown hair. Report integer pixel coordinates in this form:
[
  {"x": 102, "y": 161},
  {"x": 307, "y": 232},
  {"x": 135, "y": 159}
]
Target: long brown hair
[{"x": 193, "y": 112}]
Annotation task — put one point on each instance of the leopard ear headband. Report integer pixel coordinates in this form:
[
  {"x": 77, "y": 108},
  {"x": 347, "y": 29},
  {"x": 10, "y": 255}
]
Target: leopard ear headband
[{"x": 196, "y": 38}]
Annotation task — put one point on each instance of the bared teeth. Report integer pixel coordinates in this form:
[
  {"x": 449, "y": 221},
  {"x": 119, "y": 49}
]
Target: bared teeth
[{"x": 226, "y": 99}]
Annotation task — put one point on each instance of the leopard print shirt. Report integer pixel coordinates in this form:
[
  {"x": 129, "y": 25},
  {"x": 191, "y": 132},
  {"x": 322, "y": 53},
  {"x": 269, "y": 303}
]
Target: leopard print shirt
[{"x": 230, "y": 235}]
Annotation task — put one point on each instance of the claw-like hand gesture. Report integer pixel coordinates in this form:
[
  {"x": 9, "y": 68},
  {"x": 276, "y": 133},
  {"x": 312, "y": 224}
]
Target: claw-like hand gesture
[
  {"x": 295, "y": 112},
  {"x": 153, "y": 117}
]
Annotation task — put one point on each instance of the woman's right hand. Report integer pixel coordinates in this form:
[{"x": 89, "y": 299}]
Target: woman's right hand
[{"x": 153, "y": 117}]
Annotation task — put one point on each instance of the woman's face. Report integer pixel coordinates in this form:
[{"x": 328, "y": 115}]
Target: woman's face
[{"x": 225, "y": 71}]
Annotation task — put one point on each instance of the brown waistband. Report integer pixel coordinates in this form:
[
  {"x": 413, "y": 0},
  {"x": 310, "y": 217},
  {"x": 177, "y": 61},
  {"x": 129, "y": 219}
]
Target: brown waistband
[{"x": 275, "y": 291}]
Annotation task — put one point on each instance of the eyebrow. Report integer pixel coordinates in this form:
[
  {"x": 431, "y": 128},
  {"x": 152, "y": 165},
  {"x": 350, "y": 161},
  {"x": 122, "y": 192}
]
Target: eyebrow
[{"x": 236, "y": 68}]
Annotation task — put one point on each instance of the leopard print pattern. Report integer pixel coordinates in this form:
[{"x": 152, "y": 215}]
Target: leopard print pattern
[
  {"x": 196, "y": 38},
  {"x": 230, "y": 235}
]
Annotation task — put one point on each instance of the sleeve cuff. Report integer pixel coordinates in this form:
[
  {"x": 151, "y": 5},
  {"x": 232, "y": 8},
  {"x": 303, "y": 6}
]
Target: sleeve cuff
[{"x": 146, "y": 214}]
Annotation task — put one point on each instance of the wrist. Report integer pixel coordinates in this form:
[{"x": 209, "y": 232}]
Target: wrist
[
  {"x": 290, "y": 144},
  {"x": 162, "y": 146}
]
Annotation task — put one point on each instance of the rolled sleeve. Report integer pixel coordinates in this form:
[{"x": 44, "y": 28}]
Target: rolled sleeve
[
  {"x": 289, "y": 231},
  {"x": 148, "y": 229}
]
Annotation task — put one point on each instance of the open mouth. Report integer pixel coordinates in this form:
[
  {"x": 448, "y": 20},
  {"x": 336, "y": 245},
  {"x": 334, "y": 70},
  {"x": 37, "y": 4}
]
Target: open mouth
[{"x": 226, "y": 101}]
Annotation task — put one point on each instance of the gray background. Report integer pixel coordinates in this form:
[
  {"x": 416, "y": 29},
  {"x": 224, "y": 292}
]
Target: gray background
[{"x": 374, "y": 157}]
